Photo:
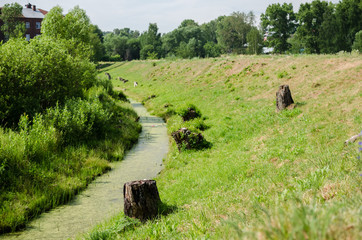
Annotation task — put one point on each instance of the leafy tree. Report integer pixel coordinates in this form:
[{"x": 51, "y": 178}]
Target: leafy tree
[
  {"x": 115, "y": 45},
  {"x": 148, "y": 52},
  {"x": 96, "y": 40},
  {"x": 329, "y": 31},
  {"x": 151, "y": 38},
  {"x": 12, "y": 27},
  {"x": 232, "y": 31},
  {"x": 357, "y": 45},
  {"x": 255, "y": 41},
  {"x": 209, "y": 30},
  {"x": 133, "y": 49},
  {"x": 279, "y": 22},
  {"x": 348, "y": 15},
  {"x": 75, "y": 26},
  {"x": 295, "y": 44},
  {"x": 39, "y": 74},
  {"x": 212, "y": 49},
  {"x": 311, "y": 16},
  {"x": 186, "y": 41},
  {"x": 122, "y": 43}
]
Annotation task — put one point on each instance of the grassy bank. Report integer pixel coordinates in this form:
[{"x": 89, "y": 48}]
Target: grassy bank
[
  {"x": 48, "y": 159},
  {"x": 268, "y": 175}
]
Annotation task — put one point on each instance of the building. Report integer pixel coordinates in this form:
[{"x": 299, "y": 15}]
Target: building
[{"x": 32, "y": 18}]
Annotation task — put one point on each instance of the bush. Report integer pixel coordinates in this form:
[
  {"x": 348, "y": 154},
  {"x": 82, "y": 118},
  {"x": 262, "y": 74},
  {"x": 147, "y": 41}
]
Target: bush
[
  {"x": 80, "y": 121},
  {"x": 39, "y": 74},
  {"x": 357, "y": 44},
  {"x": 189, "y": 112}
]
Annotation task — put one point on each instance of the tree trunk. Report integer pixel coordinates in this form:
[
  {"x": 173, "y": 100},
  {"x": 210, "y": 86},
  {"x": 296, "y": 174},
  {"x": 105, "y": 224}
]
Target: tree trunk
[
  {"x": 141, "y": 199},
  {"x": 284, "y": 97}
]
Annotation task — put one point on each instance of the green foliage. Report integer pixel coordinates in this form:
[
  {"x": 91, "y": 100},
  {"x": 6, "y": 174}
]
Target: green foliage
[
  {"x": 151, "y": 43},
  {"x": 184, "y": 111},
  {"x": 357, "y": 44},
  {"x": 245, "y": 185},
  {"x": 12, "y": 27},
  {"x": 74, "y": 26},
  {"x": 212, "y": 49},
  {"x": 348, "y": 15},
  {"x": 148, "y": 52},
  {"x": 278, "y": 20},
  {"x": 37, "y": 75},
  {"x": 57, "y": 153},
  {"x": 80, "y": 121},
  {"x": 232, "y": 31},
  {"x": 255, "y": 41},
  {"x": 311, "y": 17},
  {"x": 124, "y": 45}
]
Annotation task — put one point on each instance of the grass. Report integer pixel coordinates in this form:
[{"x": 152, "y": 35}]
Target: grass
[
  {"x": 268, "y": 175},
  {"x": 47, "y": 162}
]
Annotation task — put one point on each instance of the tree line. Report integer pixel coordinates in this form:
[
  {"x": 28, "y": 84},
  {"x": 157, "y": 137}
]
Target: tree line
[{"x": 318, "y": 27}]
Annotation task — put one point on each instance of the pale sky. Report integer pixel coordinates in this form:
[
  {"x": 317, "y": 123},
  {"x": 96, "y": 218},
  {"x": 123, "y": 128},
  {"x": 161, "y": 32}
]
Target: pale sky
[{"x": 168, "y": 14}]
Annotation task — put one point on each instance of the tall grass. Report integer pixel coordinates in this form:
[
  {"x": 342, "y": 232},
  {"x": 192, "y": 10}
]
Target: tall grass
[{"x": 54, "y": 155}]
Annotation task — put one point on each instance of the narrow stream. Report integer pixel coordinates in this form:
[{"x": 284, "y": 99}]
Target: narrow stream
[{"x": 104, "y": 197}]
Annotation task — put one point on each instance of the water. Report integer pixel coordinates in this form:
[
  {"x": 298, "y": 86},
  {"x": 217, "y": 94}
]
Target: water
[{"x": 104, "y": 197}]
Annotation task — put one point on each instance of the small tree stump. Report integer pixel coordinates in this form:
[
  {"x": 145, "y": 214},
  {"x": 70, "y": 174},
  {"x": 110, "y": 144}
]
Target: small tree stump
[
  {"x": 184, "y": 138},
  {"x": 141, "y": 199},
  {"x": 284, "y": 97}
]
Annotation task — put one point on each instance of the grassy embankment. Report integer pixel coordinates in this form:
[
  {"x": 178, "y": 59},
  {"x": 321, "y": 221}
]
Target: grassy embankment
[
  {"x": 49, "y": 159},
  {"x": 268, "y": 175}
]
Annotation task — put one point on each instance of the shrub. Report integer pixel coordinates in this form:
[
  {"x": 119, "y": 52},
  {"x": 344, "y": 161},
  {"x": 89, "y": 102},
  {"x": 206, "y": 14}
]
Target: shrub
[
  {"x": 39, "y": 74},
  {"x": 80, "y": 121},
  {"x": 189, "y": 112}
]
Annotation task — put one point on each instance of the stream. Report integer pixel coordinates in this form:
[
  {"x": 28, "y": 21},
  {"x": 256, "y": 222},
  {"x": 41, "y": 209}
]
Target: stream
[{"x": 103, "y": 198}]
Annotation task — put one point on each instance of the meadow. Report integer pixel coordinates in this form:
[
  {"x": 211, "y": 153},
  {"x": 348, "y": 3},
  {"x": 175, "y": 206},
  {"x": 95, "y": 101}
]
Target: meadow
[{"x": 267, "y": 174}]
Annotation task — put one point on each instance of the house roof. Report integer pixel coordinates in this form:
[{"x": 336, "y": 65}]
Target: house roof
[{"x": 30, "y": 13}]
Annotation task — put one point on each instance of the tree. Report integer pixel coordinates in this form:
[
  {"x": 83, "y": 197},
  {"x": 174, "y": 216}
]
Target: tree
[
  {"x": 151, "y": 38},
  {"x": 209, "y": 30},
  {"x": 96, "y": 40},
  {"x": 115, "y": 45},
  {"x": 255, "y": 41},
  {"x": 357, "y": 44},
  {"x": 329, "y": 31},
  {"x": 279, "y": 22},
  {"x": 232, "y": 31},
  {"x": 12, "y": 27},
  {"x": 212, "y": 49},
  {"x": 348, "y": 16},
  {"x": 186, "y": 41},
  {"x": 39, "y": 74},
  {"x": 76, "y": 26},
  {"x": 311, "y": 17}
]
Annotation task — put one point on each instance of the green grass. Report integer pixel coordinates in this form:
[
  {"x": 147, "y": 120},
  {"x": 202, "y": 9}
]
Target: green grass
[
  {"x": 268, "y": 175},
  {"x": 52, "y": 157}
]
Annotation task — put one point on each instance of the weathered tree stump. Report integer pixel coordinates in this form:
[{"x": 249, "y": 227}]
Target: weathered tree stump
[
  {"x": 185, "y": 139},
  {"x": 284, "y": 97},
  {"x": 141, "y": 199},
  {"x": 190, "y": 114}
]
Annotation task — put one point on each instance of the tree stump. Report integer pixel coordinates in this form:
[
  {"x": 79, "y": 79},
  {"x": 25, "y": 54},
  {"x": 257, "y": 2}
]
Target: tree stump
[
  {"x": 185, "y": 139},
  {"x": 284, "y": 97},
  {"x": 141, "y": 199}
]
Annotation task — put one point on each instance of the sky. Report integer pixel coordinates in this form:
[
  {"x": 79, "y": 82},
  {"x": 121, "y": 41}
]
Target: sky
[{"x": 168, "y": 14}]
